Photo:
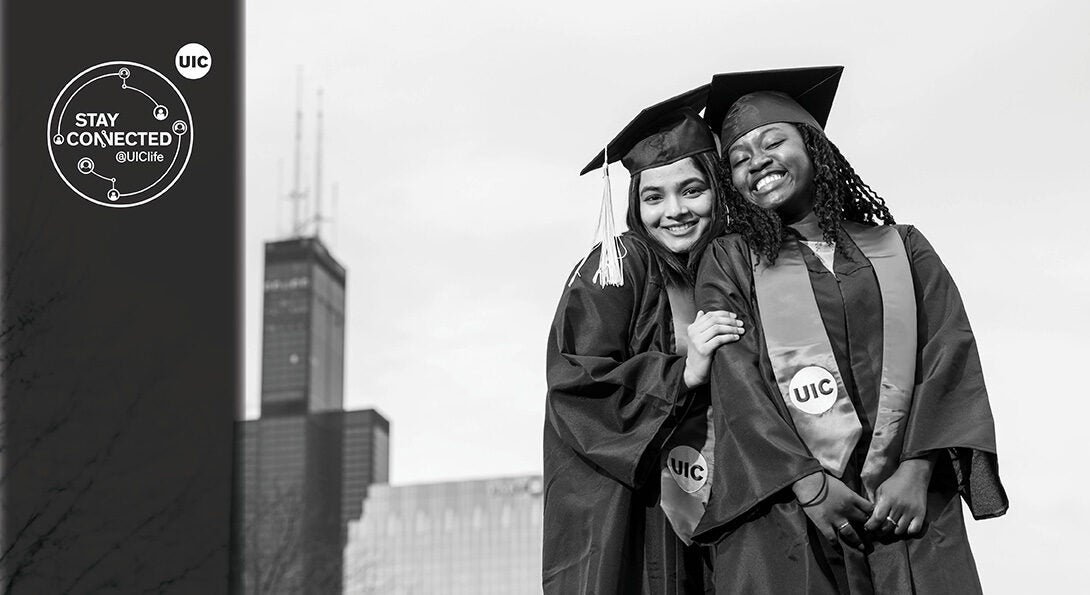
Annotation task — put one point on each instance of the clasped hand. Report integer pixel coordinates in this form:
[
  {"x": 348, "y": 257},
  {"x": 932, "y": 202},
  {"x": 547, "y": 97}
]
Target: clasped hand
[
  {"x": 900, "y": 503},
  {"x": 899, "y": 506}
]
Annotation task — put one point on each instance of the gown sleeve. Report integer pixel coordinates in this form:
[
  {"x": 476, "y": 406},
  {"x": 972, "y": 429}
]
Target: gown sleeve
[
  {"x": 761, "y": 452},
  {"x": 950, "y": 408},
  {"x": 610, "y": 405}
]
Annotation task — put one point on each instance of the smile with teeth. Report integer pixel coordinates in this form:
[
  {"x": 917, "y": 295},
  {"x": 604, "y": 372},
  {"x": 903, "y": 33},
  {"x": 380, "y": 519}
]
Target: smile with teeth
[
  {"x": 767, "y": 181},
  {"x": 680, "y": 228}
]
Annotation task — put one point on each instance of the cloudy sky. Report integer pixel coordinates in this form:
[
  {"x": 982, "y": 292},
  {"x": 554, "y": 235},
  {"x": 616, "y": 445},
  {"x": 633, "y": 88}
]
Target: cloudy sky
[{"x": 455, "y": 133}]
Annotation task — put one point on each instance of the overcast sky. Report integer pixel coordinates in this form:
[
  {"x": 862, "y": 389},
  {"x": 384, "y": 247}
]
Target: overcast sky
[{"x": 455, "y": 133}]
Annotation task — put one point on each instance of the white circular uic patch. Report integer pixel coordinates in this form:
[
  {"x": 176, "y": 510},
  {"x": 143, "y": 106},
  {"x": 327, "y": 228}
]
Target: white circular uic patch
[
  {"x": 688, "y": 468},
  {"x": 812, "y": 390},
  {"x": 193, "y": 61}
]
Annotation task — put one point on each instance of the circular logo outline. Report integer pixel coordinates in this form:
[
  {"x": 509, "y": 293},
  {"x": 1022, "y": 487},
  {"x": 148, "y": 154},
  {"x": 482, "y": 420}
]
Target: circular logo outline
[
  {"x": 685, "y": 454},
  {"x": 812, "y": 377},
  {"x": 64, "y": 91},
  {"x": 201, "y": 71}
]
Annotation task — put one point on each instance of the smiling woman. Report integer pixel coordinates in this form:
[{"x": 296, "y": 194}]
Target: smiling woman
[
  {"x": 770, "y": 168},
  {"x": 628, "y": 361},
  {"x": 675, "y": 204},
  {"x": 855, "y": 407}
]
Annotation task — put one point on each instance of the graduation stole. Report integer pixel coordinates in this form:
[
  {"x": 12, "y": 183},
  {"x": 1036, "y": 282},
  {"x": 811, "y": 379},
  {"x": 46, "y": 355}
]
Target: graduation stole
[
  {"x": 806, "y": 370},
  {"x": 688, "y": 455}
]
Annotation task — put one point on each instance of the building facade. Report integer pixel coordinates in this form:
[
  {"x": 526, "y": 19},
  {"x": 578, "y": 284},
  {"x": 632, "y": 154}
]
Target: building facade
[
  {"x": 460, "y": 538},
  {"x": 302, "y": 343},
  {"x": 305, "y": 464}
]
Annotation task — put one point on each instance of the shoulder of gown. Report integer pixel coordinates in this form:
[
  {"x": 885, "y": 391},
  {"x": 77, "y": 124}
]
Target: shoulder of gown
[{"x": 610, "y": 402}]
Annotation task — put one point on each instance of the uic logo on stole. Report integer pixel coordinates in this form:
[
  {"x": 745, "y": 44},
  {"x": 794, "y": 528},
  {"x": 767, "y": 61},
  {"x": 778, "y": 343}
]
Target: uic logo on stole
[
  {"x": 796, "y": 342},
  {"x": 813, "y": 390},
  {"x": 688, "y": 467}
]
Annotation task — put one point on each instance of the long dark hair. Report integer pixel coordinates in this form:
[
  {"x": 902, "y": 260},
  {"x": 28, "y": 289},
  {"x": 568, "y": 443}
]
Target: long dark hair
[
  {"x": 680, "y": 269},
  {"x": 839, "y": 195}
]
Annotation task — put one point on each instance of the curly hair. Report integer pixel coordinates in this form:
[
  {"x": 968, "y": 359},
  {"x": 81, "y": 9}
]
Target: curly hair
[
  {"x": 839, "y": 195},
  {"x": 680, "y": 269}
]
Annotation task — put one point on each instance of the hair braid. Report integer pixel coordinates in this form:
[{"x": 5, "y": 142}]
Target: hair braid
[{"x": 839, "y": 195}]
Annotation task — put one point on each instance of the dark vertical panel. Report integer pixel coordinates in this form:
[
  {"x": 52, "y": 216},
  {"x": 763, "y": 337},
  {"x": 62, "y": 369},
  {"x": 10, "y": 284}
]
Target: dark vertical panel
[{"x": 121, "y": 327}]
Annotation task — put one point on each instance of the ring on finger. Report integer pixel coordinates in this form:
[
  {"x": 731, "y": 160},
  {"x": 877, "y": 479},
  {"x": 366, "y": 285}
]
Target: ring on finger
[
  {"x": 891, "y": 519},
  {"x": 845, "y": 525}
]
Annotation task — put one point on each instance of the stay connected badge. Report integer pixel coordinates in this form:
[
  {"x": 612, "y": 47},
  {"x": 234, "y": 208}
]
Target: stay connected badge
[{"x": 120, "y": 134}]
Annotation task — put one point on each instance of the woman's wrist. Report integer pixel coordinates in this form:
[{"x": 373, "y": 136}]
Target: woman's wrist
[
  {"x": 919, "y": 467},
  {"x": 808, "y": 490},
  {"x": 690, "y": 377}
]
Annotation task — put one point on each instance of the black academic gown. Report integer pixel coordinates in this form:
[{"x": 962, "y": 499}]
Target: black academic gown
[
  {"x": 765, "y": 542},
  {"x": 615, "y": 395}
]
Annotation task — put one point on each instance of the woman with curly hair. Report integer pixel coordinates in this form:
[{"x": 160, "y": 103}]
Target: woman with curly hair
[
  {"x": 627, "y": 366},
  {"x": 853, "y": 411}
]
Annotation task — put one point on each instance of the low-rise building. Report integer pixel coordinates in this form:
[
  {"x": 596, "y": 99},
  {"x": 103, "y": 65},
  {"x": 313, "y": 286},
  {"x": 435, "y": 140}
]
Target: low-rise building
[{"x": 465, "y": 537}]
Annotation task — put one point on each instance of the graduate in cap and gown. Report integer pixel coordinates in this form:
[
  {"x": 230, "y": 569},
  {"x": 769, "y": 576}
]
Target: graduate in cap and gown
[
  {"x": 627, "y": 364},
  {"x": 853, "y": 411}
]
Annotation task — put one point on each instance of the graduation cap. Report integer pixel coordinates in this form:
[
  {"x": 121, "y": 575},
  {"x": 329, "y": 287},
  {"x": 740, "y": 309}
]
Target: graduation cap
[
  {"x": 662, "y": 134},
  {"x": 741, "y": 101}
]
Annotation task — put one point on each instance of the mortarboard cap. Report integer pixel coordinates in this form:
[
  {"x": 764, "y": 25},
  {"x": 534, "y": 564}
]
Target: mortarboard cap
[
  {"x": 738, "y": 102},
  {"x": 661, "y": 134}
]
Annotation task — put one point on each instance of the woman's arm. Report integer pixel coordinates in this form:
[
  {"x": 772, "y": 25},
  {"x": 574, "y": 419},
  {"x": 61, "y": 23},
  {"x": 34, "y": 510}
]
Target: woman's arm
[
  {"x": 950, "y": 415},
  {"x": 762, "y": 453},
  {"x": 611, "y": 406}
]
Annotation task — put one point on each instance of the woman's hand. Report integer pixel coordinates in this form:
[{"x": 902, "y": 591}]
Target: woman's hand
[
  {"x": 834, "y": 511},
  {"x": 900, "y": 503},
  {"x": 706, "y": 334}
]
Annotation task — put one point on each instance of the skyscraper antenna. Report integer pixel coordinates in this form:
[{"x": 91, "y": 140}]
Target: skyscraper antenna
[
  {"x": 298, "y": 194},
  {"x": 318, "y": 172}
]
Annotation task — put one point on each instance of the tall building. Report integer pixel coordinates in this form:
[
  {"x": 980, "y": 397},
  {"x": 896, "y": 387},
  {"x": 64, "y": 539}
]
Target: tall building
[
  {"x": 302, "y": 346},
  {"x": 460, "y": 538},
  {"x": 306, "y": 463}
]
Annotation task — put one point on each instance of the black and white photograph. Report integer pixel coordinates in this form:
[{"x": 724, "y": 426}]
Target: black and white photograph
[{"x": 598, "y": 298}]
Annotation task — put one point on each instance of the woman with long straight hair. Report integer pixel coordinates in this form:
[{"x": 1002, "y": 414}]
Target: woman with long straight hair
[{"x": 627, "y": 364}]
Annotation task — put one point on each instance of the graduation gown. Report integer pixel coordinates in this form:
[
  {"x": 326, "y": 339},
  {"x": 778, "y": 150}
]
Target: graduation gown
[
  {"x": 764, "y": 541},
  {"x": 615, "y": 393}
]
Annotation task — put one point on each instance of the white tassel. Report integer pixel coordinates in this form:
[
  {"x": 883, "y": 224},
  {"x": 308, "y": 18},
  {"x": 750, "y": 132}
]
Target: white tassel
[{"x": 610, "y": 271}]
